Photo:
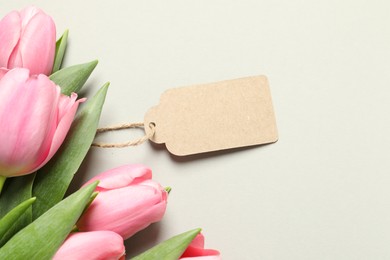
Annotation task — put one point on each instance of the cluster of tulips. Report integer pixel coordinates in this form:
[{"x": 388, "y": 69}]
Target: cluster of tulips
[{"x": 43, "y": 142}]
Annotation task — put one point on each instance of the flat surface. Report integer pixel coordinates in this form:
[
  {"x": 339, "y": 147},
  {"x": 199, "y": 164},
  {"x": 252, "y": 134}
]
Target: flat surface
[{"x": 322, "y": 191}]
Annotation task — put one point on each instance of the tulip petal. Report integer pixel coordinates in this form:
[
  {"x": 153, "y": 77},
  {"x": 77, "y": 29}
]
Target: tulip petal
[
  {"x": 37, "y": 44},
  {"x": 3, "y": 71},
  {"x": 122, "y": 176},
  {"x": 11, "y": 116},
  {"x": 67, "y": 110},
  {"x": 15, "y": 59},
  {"x": 28, "y": 13},
  {"x": 10, "y": 29},
  {"x": 198, "y": 241},
  {"x": 105, "y": 245},
  {"x": 46, "y": 105}
]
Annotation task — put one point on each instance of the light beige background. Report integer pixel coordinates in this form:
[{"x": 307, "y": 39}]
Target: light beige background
[{"x": 322, "y": 191}]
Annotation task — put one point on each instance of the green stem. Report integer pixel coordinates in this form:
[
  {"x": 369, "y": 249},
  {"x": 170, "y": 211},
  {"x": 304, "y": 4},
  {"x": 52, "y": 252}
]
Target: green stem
[{"x": 2, "y": 180}]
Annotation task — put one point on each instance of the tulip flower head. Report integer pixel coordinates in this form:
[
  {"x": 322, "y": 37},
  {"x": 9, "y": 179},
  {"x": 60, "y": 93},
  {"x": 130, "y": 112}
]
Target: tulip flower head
[
  {"x": 128, "y": 201},
  {"x": 196, "y": 251},
  {"x": 105, "y": 245},
  {"x": 28, "y": 40},
  {"x": 34, "y": 120}
]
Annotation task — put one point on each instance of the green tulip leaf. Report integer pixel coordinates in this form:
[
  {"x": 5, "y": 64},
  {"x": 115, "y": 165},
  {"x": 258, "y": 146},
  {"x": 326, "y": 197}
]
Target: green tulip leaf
[
  {"x": 10, "y": 219},
  {"x": 60, "y": 51},
  {"x": 42, "y": 238},
  {"x": 170, "y": 249},
  {"x": 10, "y": 199},
  {"x": 53, "y": 179},
  {"x": 72, "y": 79}
]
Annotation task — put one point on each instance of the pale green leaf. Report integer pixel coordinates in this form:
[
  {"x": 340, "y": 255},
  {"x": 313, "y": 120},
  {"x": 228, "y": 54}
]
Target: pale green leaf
[
  {"x": 54, "y": 178},
  {"x": 41, "y": 239},
  {"x": 12, "y": 217},
  {"x": 60, "y": 51},
  {"x": 10, "y": 199},
  {"x": 170, "y": 249},
  {"x": 72, "y": 79}
]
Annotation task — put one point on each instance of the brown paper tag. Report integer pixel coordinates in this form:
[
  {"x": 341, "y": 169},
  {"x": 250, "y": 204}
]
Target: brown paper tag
[{"x": 216, "y": 116}]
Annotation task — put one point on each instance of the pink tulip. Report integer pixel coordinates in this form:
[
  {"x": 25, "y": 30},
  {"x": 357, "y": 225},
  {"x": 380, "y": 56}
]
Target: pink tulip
[
  {"x": 3, "y": 71},
  {"x": 34, "y": 120},
  {"x": 128, "y": 201},
  {"x": 28, "y": 40},
  {"x": 97, "y": 245},
  {"x": 196, "y": 251}
]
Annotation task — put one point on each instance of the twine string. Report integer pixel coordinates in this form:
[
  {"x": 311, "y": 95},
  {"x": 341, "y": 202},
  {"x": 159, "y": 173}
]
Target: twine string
[{"x": 135, "y": 142}]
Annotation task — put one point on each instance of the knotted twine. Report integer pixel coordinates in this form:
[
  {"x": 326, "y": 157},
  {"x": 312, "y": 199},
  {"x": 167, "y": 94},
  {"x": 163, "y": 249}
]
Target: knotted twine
[{"x": 122, "y": 127}]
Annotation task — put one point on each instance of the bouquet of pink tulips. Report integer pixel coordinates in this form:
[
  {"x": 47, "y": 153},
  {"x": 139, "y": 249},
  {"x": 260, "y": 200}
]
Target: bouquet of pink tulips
[{"x": 44, "y": 139}]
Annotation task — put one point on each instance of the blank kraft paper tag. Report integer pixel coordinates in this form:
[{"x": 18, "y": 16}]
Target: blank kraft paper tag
[{"x": 216, "y": 116}]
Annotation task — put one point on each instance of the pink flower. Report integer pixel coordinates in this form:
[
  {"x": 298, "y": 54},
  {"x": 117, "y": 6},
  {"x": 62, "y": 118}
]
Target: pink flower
[
  {"x": 128, "y": 201},
  {"x": 103, "y": 245},
  {"x": 34, "y": 120},
  {"x": 28, "y": 40},
  {"x": 196, "y": 251}
]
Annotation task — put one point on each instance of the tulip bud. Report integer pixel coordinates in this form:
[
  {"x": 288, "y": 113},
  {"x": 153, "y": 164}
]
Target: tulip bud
[
  {"x": 34, "y": 120},
  {"x": 196, "y": 251},
  {"x": 105, "y": 245},
  {"x": 28, "y": 40},
  {"x": 128, "y": 201}
]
